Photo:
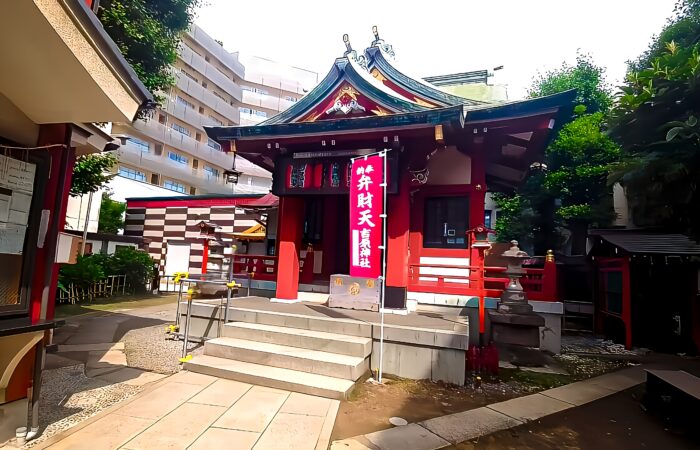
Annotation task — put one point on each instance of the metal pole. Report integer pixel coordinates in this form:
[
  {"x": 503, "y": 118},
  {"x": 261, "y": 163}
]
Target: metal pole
[
  {"x": 85, "y": 225},
  {"x": 187, "y": 327},
  {"x": 383, "y": 291},
  {"x": 177, "y": 310}
]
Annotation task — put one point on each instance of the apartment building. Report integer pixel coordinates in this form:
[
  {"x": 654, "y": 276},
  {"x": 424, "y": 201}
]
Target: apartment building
[
  {"x": 171, "y": 150},
  {"x": 270, "y": 87}
]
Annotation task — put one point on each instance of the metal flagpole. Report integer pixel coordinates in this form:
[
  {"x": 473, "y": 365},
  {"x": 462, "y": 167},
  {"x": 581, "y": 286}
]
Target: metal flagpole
[{"x": 383, "y": 292}]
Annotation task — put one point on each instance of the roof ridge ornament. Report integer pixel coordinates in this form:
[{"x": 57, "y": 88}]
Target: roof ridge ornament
[
  {"x": 352, "y": 54},
  {"x": 379, "y": 42}
]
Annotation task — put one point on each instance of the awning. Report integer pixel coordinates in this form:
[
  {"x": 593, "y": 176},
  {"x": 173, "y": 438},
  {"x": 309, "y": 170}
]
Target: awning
[
  {"x": 268, "y": 200},
  {"x": 652, "y": 243},
  {"x": 255, "y": 233}
]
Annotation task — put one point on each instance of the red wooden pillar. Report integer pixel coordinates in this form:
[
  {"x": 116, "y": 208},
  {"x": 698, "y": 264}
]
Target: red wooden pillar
[
  {"x": 290, "y": 228},
  {"x": 549, "y": 279},
  {"x": 627, "y": 302},
  {"x": 398, "y": 224},
  {"x": 53, "y": 218},
  {"x": 205, "y": 255}
]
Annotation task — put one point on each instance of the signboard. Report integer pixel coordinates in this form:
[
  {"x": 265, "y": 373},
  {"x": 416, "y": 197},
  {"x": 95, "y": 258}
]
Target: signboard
[
  {"x": 315, "y": 173},
  {"x": 354, "y": 293},
  {"x": 366, "y": 208},
  {"x": 16, "y": 190}
]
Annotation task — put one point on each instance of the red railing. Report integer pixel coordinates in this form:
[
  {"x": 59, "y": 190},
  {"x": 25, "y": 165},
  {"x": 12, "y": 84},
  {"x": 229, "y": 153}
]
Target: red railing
[
  {"x": 260, "y": 267},
  {"x": 539, "y": 284}
]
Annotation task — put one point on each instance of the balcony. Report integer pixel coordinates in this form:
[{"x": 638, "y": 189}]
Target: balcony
[
  {"x": 161, "y": 164},
  {"x": 184, "y": 143},
  {"x": 209, "y": 71},
  {"x": 208, "y": 98},
  {"x": 188, "y": 115},
  {"x": 213, "y": 47},
  {"x": 272, "y": 102}
]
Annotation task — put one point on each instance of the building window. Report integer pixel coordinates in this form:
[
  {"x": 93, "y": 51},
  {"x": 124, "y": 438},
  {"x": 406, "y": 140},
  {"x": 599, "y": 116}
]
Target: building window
[
  {"x": 180, "y": 129},
  {"x": 247, "y": 88},
  {"x": 445, "y": 223},
  {"x": 132, "y": 174},
  {"x": 213, "y": 144},
  {"x": 260, "y": 91},
  {"x": 212, "y": 171},
  {"x": 291, "y": 99},
  {"x": 261, "y": 113},
  {"x": 177, "y": 157},
  {"x": 215, "y": 120},
  {"x": 487, "y": 218},
  {"x": 246, "y": 111},
  {"x": 189, "y": 75},
  {"x": 184, "y": 102},
  {"x": 174, "y": 186},
  {"x": 145, "y": 147},
  {"x": 220, "y": 96}
]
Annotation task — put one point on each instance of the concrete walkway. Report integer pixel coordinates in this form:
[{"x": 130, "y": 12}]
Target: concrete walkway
[
  {"x": 194, "y": 411},
  {"x": 443, "y": 431}
]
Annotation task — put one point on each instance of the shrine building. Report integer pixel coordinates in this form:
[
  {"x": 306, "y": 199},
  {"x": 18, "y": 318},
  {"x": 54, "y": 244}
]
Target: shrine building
[{"x": 444, "y": 154}]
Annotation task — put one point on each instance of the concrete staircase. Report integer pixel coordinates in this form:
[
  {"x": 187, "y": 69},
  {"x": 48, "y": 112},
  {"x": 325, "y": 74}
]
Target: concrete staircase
[{"x": 312, "y": 355}]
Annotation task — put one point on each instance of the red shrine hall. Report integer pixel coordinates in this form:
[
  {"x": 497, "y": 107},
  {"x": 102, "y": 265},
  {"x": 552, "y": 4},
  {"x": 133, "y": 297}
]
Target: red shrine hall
[{"x": 444, "y": 153}]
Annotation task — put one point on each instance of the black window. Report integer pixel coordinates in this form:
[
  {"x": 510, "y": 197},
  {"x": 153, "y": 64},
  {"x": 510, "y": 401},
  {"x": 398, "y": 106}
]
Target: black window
[
  {"x": 446, "y": 221},
  {"x": 313, "y": 220}
]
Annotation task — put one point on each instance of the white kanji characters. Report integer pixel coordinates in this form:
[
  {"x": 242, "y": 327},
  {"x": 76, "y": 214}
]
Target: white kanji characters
[
  {"x": 363, "y": 183},
  {"x": 364, "y": 200},
  {"x": 364, "y": 263},
  {"x": 365, "y": 218}
]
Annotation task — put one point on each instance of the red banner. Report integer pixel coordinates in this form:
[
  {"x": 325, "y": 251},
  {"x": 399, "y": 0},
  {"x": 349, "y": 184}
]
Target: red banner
[{"x": 366, "y": 206}]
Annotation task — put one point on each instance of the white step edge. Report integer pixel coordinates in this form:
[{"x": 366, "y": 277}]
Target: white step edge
[
  {"x": 274, "y": 377},
  {"x": 348, "y": 327},
  {"x": 297, "y": 337},
  {"x": 286, "y": 357}
]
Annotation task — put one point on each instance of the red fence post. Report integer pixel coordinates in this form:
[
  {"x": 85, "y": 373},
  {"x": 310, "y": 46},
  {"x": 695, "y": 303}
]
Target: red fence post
[{"x": 549, "y": 278}]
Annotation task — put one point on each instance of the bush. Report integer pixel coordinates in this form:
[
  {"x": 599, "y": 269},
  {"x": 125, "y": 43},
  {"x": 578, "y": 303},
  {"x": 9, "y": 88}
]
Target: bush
[{"x": 135, "y": 264}]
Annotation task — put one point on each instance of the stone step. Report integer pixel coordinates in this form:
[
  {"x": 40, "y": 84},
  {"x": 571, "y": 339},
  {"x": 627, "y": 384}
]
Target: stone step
[
  {"x": 297, "y": 337},
  {"x": 286, "y": 357},
  {"x": 347, "y": 327},
  {"x": 274, "y": 377}
]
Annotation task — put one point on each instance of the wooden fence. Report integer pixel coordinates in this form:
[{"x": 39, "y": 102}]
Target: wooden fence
[{"x": 110, "y": 286}]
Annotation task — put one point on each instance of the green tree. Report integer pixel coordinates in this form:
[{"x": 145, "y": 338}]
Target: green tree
[
  {"x": 585, "y": 76},
  {"x": 569, "y": 191},
  {"x": 148, "y": 34},
  {"x": 111, "y": 215},
  {"x": 656, "y": 124},
  {"x": 683, "y": 28},
  {"x": 91, "y": 172}
]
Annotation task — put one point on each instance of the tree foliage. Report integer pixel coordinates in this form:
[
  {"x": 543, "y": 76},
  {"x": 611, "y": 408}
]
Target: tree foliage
[
  {"x": 683, "y": 28},
  {"x": 585, "y": 76},
  {"x": 148, "y": 34},
  {"x": 569, "y": 191},
  {"x": 657, "y": 126},
  {"x": 91, "y": 172},
  {"x": 111, "y": 215},
  {"x": 137, "y": 265}
]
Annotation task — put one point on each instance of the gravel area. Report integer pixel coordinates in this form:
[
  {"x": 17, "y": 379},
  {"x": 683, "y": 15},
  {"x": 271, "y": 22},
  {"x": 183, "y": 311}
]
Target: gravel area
[
  {"x": 596, "y": 346},
  {"x": 152, "y": 349},
  {"x": 68, "y": 397}
]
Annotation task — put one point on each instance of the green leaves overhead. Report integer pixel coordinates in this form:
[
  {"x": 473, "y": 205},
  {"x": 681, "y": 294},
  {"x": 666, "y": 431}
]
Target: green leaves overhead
[
  {"x": 148, "y": 34},
  {"x": 91, "y": 172}
]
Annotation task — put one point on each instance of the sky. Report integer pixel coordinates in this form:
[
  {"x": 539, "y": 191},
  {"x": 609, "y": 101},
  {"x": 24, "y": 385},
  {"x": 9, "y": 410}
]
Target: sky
[{"x": 439, "y": 37}]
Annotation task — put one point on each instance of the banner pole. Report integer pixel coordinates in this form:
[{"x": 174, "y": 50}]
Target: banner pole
[{"x": 383, "y": 291}]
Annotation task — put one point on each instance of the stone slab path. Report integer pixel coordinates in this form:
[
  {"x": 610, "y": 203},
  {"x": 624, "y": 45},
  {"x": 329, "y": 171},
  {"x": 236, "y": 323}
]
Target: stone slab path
[
  {"x": 194, "y": 411},
  {"x": 443, "y": 431}
]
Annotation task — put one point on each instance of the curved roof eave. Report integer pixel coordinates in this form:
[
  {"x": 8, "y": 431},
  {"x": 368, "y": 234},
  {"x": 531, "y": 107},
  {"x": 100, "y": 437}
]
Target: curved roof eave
[{"x": 422, "y": 88}]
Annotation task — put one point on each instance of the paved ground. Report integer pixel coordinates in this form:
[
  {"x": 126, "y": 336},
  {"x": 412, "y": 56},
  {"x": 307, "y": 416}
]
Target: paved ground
[
  {"x": 195, "y": 411},
  {"x": 615, "y": 422}
]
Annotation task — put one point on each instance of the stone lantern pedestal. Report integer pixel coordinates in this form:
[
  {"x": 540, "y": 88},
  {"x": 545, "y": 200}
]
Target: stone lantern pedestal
[{"x": 514, "y": 323}]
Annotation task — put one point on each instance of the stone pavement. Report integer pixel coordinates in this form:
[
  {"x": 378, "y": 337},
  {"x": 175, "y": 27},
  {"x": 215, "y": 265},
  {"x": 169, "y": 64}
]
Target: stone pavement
[
  {"x": 455, "y": 428},
  {"x": 195, "y": 411}
]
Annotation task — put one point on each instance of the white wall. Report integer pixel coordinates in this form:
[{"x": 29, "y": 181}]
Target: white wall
[{"x": 77, "y": 211}]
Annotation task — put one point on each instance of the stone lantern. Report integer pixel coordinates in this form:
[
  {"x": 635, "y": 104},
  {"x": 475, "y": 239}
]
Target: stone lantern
[
  {"x": 513, "y": 299},
  {"x": 514, "y": 323}
]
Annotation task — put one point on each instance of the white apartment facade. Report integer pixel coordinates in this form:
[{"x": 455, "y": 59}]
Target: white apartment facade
[{"x": 171, "y": 149}]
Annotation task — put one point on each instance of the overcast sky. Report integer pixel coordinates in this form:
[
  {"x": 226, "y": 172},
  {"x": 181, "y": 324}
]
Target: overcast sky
[{"x": 439, "y": 37}]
